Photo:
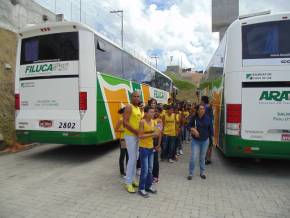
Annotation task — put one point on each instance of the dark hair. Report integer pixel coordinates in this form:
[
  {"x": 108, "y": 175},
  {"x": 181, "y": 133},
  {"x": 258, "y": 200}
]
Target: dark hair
[
  {"x": 121, "y": 111},
  {"x": 140, "y": 103},
  {"x": 198, "y": 106},
  {"x": 159, "y": 109},
  {"x": 147, "y": 108},
  {"x": 205, "y": 99},
  {"x": 150, "y": 101},
  {"x": 169, "y": 107}
]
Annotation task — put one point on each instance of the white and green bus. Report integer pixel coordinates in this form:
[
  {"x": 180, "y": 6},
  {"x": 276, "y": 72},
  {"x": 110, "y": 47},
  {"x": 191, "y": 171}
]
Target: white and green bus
[
  {"x": 248, "y": 79},
  {"x": 70, "y": 82}
]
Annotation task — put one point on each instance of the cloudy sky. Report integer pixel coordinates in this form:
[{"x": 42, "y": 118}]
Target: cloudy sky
[{"x": 178, "y": 32}]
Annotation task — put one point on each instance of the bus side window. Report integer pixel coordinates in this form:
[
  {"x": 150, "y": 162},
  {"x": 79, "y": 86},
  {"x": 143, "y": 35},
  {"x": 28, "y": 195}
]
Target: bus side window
[{"x": 108, "y": 58}]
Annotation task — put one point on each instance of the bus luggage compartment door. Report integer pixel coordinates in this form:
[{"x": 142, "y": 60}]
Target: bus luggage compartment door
[{"x": 266, "y": 111}]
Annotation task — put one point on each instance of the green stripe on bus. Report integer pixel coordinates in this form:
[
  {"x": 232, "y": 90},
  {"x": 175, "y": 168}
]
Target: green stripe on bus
[
  {"x": 103, "y": 123},
  {"x": 112, "y": 80},
  {"x": 74, "y": 138},
  {"x": 235, "y": 146}
]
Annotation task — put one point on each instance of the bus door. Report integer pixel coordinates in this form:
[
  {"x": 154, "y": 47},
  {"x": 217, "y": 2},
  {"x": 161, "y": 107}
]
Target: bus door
[{"x": 48, "y": 95}]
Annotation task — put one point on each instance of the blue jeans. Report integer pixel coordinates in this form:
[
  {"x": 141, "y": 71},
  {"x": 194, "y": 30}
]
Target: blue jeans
[
  {"x": 132, "y": 148},
  {"x": 203, "y": 145},
  {"x": 146, "y": 159},
  {"x": 168, "y": 146},
  {"x": 184, "y": 133}
]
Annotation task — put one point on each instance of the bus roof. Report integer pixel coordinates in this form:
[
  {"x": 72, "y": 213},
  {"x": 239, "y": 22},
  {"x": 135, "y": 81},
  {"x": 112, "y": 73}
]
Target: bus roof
[
  {"x": 264, "y": 17},
  {"x": 76, "y": 25}
]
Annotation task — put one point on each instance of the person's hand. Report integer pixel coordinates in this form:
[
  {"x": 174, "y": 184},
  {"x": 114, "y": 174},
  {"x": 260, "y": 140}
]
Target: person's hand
[
  {"x": 194, "y": 132},
  {"x": 156, "y": 133}
]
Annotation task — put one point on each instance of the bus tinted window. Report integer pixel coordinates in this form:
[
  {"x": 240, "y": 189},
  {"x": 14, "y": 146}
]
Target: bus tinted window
[
  {"x": 266, "y": 40},
  {"x": 162, "y": 82},
  {"x": 52, "y": 47},
  {"x": 108, "y": 58}
]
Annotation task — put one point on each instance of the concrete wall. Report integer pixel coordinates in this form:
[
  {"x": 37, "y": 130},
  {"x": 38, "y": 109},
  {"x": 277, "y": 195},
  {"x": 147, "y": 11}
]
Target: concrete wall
[
  {"x": 15, "y": 16},
  {"x": 174, "y": 68},
  {"x": 224, "y": 12}
]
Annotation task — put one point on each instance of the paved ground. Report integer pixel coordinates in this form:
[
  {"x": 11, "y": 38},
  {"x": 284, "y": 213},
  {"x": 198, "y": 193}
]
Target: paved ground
[{"x": 73, "y": 181}]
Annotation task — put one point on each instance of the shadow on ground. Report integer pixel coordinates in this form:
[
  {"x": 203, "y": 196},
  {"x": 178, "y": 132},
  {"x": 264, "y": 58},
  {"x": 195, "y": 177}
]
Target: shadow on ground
[
  {"x": 72, "y": 153},
  {"x": 250, "y": 166}
]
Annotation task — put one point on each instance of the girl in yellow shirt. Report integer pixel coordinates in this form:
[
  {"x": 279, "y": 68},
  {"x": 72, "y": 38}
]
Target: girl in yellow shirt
[
  {"x": 157, "y": 143},
  {"x": 169, "y": 135},
  {"x": 147, "y": 132},
  {"x": 123, "y": 148}
]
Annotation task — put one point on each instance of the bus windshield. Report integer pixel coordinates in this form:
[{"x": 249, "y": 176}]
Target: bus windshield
[
  {"x": 266, "y": 40},
  {"x": 51, "y": 47}
]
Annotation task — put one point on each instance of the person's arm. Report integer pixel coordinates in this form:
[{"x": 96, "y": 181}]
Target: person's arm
[
  {"x": 126, "y": 117},
  {"x": 210, "y": 128},
  {"x": 163, "y": 121},
  {"x": 142, "y": 134},
  {"x": 118, "y": 125},
  {"x": 191, "y": 123},
  {"x": 193, "y": 127},
  {"x": 160, "y": 135}
]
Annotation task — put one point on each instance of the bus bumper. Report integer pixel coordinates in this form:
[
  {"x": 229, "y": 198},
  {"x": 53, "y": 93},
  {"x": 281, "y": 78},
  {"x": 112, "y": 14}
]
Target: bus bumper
[
  {"x": 74, "y": 138},
  {"x": 235, "y": 146}
]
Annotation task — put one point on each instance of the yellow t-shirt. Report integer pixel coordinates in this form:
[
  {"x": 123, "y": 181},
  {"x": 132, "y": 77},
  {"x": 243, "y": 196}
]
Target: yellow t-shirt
[
  {"x": 186, "y": 115},
  {"x": 121, "y": 129},
  {"x": 148, "y": 141},
  {"x": 169, "y": 125},
  {"x": 134, "y": 120},
  {"x": 163, "y": 113}
]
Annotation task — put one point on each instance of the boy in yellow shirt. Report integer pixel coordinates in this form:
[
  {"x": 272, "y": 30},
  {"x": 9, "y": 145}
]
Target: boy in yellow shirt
[{"x": 147, "y": 132}]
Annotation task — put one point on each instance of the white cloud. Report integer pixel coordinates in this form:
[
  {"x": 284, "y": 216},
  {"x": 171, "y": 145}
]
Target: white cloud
[
  {"x": 180, "y": 28},
  {"x": 183, "y": 29}
]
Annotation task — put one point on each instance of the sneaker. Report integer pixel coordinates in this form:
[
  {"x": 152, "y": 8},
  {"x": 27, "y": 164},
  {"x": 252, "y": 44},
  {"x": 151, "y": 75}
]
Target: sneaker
[
  {"x": 151, "y": 190},
  {"x": 123, "y": 176},
  {"x": 178, "y": 154},
  {"x": 171, "y": 161},
  {"x": 189, "y": 177},
  {"x": 202, "y": 176},
  {"x": 181, "y": 152},
  {"x": 155, "y": 180},
  {"x": 135, "y": 184},
  {"x": 130, "y": 188},
  {"x": 143, "y": 193}
]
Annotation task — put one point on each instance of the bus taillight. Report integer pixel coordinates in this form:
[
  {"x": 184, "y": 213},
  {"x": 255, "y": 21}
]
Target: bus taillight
[
  {"x": 83, "y": 101},
  {"x": 17, "y": 102},
  {"x": 234, "y": 115}
]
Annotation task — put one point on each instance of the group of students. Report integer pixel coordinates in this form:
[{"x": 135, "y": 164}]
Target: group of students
[{"x": 145, "y": 131}]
